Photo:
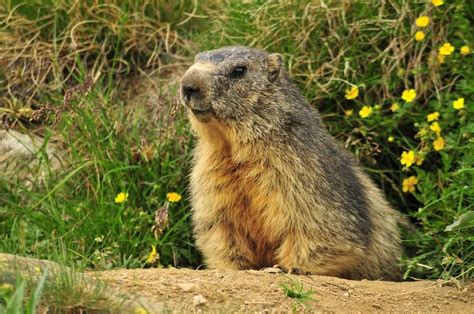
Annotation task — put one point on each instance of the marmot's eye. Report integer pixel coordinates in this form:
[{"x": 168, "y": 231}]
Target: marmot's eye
[{"x": 238, "y": 71}]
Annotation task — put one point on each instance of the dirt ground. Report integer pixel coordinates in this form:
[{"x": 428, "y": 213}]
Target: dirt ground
[{"x": 224, "y": 291}]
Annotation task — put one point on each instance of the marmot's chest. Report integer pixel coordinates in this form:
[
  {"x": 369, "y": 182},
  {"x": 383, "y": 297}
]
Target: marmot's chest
[{"x": 247, "y": 194}]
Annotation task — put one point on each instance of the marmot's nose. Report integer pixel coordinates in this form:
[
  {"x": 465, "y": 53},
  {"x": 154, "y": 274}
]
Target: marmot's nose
[{"x": 190, "y": 91}]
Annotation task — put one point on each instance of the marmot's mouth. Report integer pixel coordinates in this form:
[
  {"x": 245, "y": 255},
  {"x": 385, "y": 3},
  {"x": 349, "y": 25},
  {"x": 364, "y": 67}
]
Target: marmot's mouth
[{"x": 201, "y": 112}]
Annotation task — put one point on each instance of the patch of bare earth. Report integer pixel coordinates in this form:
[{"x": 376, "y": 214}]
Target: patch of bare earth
[{"x": 186, "y": 290}]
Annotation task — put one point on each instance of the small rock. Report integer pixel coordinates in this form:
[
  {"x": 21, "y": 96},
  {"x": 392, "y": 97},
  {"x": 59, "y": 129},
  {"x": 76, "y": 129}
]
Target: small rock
[
  {"x": 346, "y": 294},
  {"x": 199, "y": 299},
  {"x": 272, "y": 270},
  {"x": 187, "y": 286},
  {"x": 375, "y": 305}
]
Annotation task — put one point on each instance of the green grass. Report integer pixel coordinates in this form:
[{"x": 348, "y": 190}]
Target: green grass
[
  {"x": 13, "y": 296},
  {"x": 294, "y": 289},
  {"x": 72, "y": 217},
  {"x": 57, "y": 290},
  {"x": 112, "y": 141}
]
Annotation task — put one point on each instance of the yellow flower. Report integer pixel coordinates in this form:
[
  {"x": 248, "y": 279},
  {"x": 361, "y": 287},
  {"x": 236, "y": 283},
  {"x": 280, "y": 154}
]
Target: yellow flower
[
  {"x": 408, "y": 158},
  {"x": 446, "y": 49},
  {"x": 121, "y": 197},
  {"x": 409, "y": 184},
  {"x": 349, "y": 112},
  {"x": 140, "y": 310},
  {"x": 437, "y": 3},
  {"x": 152, "y": 256},
  {"x": 419, "y": 36},
  {"x": 390, "y": 139},
  {"x": 173, "y": 197},
  {"x": 458, "y": 103},
  {"x": 441, "y": 58},
  {"x": 352, "y": 93},
  {"x": 438, "y": 144},
  {"x": 435, "y": 128},
  {"x": 422, "y": 21},
  {"x": 365, "y": 112},
  {"x": 433, "y": 116},
  {"x": 394, "y": 107},
  {"x": 465, "y": 50},
  {"x": 409, "y": 95}
]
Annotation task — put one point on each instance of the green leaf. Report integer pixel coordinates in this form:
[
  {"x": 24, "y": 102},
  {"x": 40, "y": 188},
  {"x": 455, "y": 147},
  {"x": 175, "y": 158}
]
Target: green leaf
[
  {"x": 465, "y": 221},
  {"x": 14, "y": 304}
]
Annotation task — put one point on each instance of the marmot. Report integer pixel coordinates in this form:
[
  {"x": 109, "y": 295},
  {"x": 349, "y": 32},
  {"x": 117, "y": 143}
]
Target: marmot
[{"x": 269, "y": 185}]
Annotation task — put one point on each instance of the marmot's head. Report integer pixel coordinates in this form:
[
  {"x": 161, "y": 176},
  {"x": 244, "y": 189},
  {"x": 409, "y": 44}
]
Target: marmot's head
[{"x": 235, "y": 85}]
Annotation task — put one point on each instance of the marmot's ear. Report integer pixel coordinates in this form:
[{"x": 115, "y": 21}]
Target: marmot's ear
[{"x": 274, "y": 65}]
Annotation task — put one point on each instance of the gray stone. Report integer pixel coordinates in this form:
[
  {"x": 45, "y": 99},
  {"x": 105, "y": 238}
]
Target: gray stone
[{"x": 26, "y": 156}]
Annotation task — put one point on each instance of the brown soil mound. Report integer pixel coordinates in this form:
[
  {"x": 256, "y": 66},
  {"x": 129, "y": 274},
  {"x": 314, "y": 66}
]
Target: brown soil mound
[{"x": 224, "y": 291}]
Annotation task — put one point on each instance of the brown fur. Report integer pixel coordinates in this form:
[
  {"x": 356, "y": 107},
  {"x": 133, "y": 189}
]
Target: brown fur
[{"x": 270, "y": 186}]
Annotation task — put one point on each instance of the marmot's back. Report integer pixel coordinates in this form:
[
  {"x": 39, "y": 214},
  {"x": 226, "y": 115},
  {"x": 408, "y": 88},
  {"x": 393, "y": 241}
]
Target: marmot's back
[{"x": 269, "y": 184}]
